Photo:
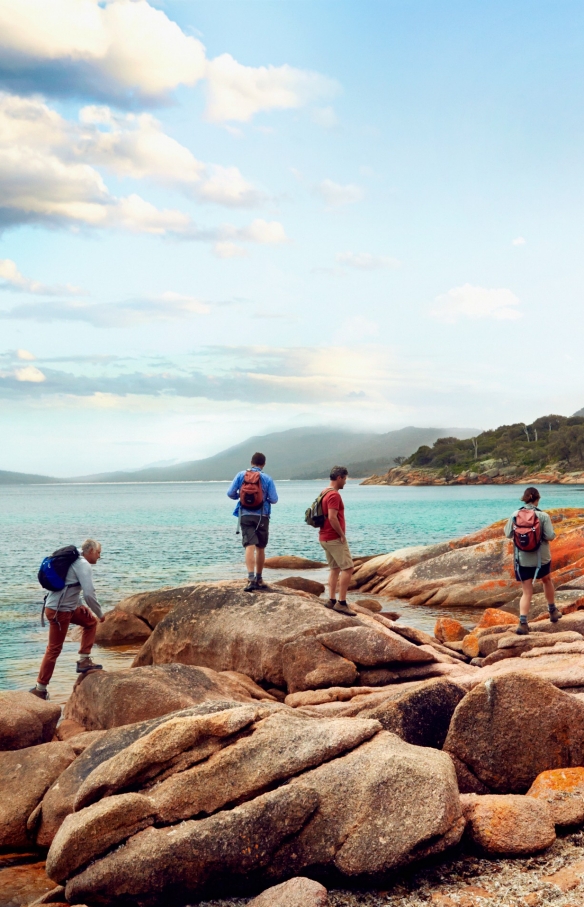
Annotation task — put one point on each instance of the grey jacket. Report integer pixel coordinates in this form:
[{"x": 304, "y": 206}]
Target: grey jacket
[
  {"x": 529, "y": 558},
  {"x": 79, "y": 579}
]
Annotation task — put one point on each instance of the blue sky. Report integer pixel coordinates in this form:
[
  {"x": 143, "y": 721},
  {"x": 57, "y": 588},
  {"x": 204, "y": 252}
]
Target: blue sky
[{"x": 223, "y": 218}]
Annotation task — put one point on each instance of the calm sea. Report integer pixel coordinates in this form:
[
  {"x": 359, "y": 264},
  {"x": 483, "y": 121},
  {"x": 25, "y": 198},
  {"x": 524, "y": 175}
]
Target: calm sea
[{"x": 157, "y": 535}]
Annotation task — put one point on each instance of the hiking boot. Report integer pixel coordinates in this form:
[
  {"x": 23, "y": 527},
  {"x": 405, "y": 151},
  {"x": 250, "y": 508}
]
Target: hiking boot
[
  {"x": 343, "y": 608},
  {"x": 555, "y": 615},
  {"x": 330, "y": 603},
  {"x": 261, "y": 586},
  {"x": 522, "y": 630},
  {"x": 252, "y": 586},
  {"x": 42, "y": 694},
  {"x": 88, "y": 665}
]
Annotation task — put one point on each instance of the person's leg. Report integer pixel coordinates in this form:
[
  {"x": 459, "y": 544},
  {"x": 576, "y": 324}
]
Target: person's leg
[
  {"x": 344, "y": 580},
  {"x": 526, "y": 596},
  {"x": 84, "y": 618},
  {"x": 260, "y": 559},
  {"x": 250, "y": 558},
  {"x": 333, "y": 582},
  {"x": 548, "y": 588},
  {"x": 58, "y": 626}
]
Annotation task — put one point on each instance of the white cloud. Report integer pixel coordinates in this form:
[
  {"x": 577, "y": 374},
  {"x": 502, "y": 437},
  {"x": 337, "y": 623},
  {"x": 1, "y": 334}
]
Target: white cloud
[
  {"x": 123, "y": 48},
  {"x": 325, "y": 117},
  {"x": 229, "y": 250},
  {"x": 476, "y": 302},
  {"x": 519, "y": 241},
  {"x": 12, "y": 279},
  {"x": 169, "y": 306},
  {"x": 237, "y": 92},
  {"x": 334, "y": 194},
  {"x": 47, "y": 173},
  {"x": 261, "y": 231},
  {"x": 365, "y": 261},
  {"x": 29, "y": 373},
  {"x": 25, "y": 356}
]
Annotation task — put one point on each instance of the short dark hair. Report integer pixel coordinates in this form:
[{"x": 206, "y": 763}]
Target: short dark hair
[
  {"x": 338, "y": 471},
  {"x": 258, "y": 459},
  {"x": 530, "y": 495}
]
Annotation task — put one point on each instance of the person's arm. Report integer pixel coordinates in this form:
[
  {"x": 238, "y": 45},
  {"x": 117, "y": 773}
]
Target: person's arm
[
  {"x": 508, "y": 530},
  {"x": 547, "y": 528},
  {"x": 333, "y": 516},
  {"x": 272, "y": 494},
  {"x": 85, "y": 577},
  {"x": 233, "y": 490}
]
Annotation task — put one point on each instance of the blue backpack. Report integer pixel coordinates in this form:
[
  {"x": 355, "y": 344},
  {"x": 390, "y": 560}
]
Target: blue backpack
[{"x": 53, "y": 570}]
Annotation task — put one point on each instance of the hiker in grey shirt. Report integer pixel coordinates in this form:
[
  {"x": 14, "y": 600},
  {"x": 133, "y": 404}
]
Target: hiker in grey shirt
[
  {"x": 64, "y": 608},
  {"x": 533, "y": 565}
]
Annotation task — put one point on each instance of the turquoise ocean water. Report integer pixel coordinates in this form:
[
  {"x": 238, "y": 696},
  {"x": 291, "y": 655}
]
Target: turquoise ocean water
[{"x": 157, "y": 535}]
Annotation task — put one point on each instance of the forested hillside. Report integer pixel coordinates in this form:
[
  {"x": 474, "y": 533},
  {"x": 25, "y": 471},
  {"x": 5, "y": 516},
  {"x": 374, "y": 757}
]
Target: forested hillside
[{"x": 549, "y": 440}]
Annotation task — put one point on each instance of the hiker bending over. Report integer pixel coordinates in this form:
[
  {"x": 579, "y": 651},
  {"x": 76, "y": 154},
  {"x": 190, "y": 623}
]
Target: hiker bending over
[
  {"x": 255, "y": 493},
  {"x": 334, "y": 541},
  {"x": 64, "y": 607},
  {"x": 531, "y": 530}
]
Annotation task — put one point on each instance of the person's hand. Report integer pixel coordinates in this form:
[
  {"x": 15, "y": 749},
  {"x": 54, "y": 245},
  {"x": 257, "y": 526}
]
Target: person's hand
[{"x": 101, "y": 620}]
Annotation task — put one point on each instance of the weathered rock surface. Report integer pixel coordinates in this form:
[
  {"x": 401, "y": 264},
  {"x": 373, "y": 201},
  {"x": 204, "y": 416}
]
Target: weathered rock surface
[
  {"x": 561, "y": 669},
  {"x": 121, "y": 628},
  {"x": 23, "y": 884},
  {"x": 25, "y": 776},
  {"x": 508, "y": 824},
  {"x": 476, "y": 570},
  {"x": 449, "y": 630},
  {"x": 182, "y": 859},
  {"x": 357, "y": 812},
  {"x": 59, "y": 799},
  {"x": 223, "y": 628},
  {"x": 420, "y": 716},
  {"x": 292, "y": 562},
  {"x": 368, "y": 646},
  {"x": 298, "y": 892},
  {"x": 26, "y": 720},
  {"x": 305, "y": 585},
  {"x": 106, "y": 700},
  {"x": 307, "y": 665},
  {"x": 151, "y": 607},
  {"x": 563, "y": 790},
  {"x": 511, "y": 728},
  {"x": 87, "y": 834}
]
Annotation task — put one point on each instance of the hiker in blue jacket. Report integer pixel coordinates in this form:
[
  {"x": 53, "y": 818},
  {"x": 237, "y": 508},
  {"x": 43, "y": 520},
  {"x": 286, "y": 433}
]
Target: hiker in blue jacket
[{"x": 255, "y": 492}]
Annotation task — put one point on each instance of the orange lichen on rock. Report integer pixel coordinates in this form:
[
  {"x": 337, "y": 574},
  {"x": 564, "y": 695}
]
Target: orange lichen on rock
[
  {"x": 557, "y": 779},
  {"x": 449, "y": 630},
  {"x": 493, "y": 617}
]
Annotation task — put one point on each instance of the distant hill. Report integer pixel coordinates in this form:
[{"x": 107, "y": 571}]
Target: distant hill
[
  {"x": 24, "y": 478},
  {"x": 298, "y": 453}
]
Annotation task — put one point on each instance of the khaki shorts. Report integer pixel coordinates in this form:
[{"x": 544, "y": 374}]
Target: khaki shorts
[{"x": 338, "y": 555}]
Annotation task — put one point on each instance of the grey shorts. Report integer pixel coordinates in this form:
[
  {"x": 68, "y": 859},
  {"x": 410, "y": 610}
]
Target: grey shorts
[{"x": 255, "y": 530}]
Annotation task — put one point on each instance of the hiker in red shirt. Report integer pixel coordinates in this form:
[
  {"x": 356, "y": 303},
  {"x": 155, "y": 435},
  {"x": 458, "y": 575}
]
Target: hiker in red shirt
[{"x": 334, "y": 541}]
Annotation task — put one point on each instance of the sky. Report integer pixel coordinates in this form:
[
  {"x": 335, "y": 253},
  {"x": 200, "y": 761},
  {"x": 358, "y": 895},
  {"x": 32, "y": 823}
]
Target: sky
[{"x": 220, "y": 218}]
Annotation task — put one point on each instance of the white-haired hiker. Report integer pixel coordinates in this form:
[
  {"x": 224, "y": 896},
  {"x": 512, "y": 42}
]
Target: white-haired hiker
[{"x": 64, "y": 608}]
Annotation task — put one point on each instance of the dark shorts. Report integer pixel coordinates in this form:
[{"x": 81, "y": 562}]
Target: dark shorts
[
  {"x": 523, "y": 573},
  {"x": 255, "y": 530}
]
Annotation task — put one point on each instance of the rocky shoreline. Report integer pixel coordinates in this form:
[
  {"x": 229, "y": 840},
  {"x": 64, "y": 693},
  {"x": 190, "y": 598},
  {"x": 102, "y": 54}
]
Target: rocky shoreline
[
  {"x": 261, "y": 738},
  {"x": 489, "y": 472}
]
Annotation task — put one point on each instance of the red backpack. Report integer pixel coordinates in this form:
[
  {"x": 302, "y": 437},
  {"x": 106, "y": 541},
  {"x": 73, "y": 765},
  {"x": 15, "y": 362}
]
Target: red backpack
[
  {"x": 527, "y": 530},
  {"x": 251, "y": 493}
]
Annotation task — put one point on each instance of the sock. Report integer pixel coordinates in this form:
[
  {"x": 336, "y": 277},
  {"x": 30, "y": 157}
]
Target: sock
[
  {"x": 552, "y": 607},
  {"x": 333, "y": 601},
  {"x": 342, "y": 601},
  {"x": 258, "y": 577},
  {"x": 523, "y": 619},
  {"x": 41, "y": 687},
  {"x": 83, "y": 657},
  {"x": 251, "y": 576}
]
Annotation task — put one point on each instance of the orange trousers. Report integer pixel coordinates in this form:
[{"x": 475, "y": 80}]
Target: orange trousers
[{"x": 58, "y": 625}]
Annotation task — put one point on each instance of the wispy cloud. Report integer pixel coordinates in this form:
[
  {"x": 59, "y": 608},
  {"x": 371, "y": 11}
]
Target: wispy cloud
[
  {"x": 476, "y": 302},
  {"x": 335, "y": 195},
  {"x": 518, "y": 241},
  {"x": 365, "y": 261},
  {"x": 12, "y": 279}
]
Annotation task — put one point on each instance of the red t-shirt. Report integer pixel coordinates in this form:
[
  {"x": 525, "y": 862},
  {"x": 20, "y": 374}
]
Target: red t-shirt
[{"x": 332, "y": 501}]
